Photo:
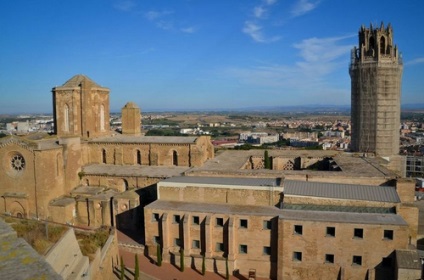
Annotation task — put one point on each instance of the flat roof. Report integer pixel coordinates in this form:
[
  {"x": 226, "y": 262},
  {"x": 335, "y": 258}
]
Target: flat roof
[
  {"x": 252, "y": 210},
  {"x": 182, "y": 206},
  {"x": 344, "y": 217},
  {"x": 119, "y": 138},
  {"x": 134, "y": 170},
  {"x": 221, "y": 181},
  {"x": 232, "y": 161},
  {"x": 62, "y": 201},
  {"x": 341, "y": 191},
  {"x": 87, "y": 190}
]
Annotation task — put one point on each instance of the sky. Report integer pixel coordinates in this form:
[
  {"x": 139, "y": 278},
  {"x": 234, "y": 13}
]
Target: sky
[{"x": 198, "y": 54}]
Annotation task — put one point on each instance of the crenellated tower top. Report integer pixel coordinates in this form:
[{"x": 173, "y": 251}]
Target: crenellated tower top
[{"x": 376, "y": 45}]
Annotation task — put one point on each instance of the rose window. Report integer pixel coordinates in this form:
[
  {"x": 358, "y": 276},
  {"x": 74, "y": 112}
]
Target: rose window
[{"x": 18, "y": 162}]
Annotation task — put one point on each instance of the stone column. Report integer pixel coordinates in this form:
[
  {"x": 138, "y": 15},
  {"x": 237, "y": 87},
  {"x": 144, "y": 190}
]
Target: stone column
[
  {"x": 208, "y": 237},
  {"x": 231, "y": 239},
  {"x": 164, "y": 231},
  {"x": 186, "y": 234}
]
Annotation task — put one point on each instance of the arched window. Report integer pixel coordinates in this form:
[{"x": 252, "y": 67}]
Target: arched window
[
  {"x": 174, "y": 158},
  {"x": 103, "y": 156},
  {"x": 125, "y": 183},
  {"x": 66, "y": 118},
  {"x": 138, "y": 157},
  {"x": 371, "y": 43},
  {"x": 102, "y": 117},
  {"x": 382, "y": 45}
]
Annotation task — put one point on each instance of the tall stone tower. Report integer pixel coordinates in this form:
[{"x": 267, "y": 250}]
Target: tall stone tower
[
  {"x": 131, "y": 119},
  {"x": 376, "y": 73},
  {"x": 81, "y": 108}
]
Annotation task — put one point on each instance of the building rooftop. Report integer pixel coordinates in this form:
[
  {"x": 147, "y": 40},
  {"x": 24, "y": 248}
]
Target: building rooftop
[
  {"x": 247, "y": 210},
  {"x": 351, "y": 165},
  {"x": 341, "y": 191},
  {"x": 251, "y": 210},
  {"x": 76, "y": 81},
  {"x": 119, "y": 138},
  {"x": 62, "y": 201},
  {"x": 134, "y": 170},
  {"x": 19, "y": 260},
  {"x": 87, "y": 190},
  {"x": 44, "y": 144},
  {"x": 408, "y": 259},
  {"x": 221, "y": 181},
  {"x": 343, "y": 217}
]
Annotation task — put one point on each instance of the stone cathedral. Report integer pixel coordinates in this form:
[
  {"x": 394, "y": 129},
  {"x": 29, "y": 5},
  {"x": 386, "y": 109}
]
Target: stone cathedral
[{"x": 86, "y": 174}]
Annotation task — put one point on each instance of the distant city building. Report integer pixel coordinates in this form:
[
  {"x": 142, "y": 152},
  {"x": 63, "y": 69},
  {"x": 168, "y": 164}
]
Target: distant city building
[
  {"x": 376, "y": 73},
  {"x": 258, "y": 138},
  {"x": 415, "y": 166},
  {"x": 330, "y": 133}
]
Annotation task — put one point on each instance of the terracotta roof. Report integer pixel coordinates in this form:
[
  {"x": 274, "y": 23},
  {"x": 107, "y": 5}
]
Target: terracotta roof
[{"x": 76, "y": 81}]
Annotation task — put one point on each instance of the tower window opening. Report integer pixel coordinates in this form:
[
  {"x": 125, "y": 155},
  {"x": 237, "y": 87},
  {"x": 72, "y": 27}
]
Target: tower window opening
[
  {"x": 103, "y": 156},
  {"x": 138, "y": 157},
  {"x": 382, "y": 45},
  {"x": 174, "y": 158},
  {"x": 102, "y": 117},
  {"x": 66, "y": 118}
]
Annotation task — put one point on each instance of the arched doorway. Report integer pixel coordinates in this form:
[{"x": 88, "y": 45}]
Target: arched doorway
[{"x": 17, "y": 210}]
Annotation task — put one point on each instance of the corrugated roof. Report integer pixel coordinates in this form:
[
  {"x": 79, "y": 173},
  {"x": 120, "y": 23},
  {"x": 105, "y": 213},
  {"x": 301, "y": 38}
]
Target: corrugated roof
[
  {"x": 232, "y": 181},
  {"x": 343, "y": 217},
  {"x": 341, "y": 191}
]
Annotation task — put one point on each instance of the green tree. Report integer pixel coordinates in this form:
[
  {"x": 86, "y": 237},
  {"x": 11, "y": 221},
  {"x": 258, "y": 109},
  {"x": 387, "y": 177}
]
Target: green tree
[
  {"x": 159, "y": 255},
  {"x": 227, "y": 273},
  {"x": 203, "y": 265},
  {"x": 182, "y": 260},
  {"x": 267, "y": 162},
  {"x": 122, "y": 275},
  {"x": 137, "y": 268}
]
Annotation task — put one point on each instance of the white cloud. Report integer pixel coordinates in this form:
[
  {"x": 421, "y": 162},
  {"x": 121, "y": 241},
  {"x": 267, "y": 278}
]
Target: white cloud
[
  {"x": 418, "y": 60},
  {"x": 259, "y": 11},
  {"x": 154, "y": 15},
  {"x": 303, "y": 6},
  {"x": 319, "y": 57},
  {"x": 125, "y": 5},
  {"x": 322, "y": 49},
  {"x": 270, "y": 2},
  {"x": 165, "y": 25},
  {"x": 190, "y": 29},
  {"x": 255, "y": 32}
]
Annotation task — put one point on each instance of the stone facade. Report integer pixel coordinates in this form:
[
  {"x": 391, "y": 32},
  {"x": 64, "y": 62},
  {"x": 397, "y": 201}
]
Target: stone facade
[
  {"x": 87, "y": 175},
  {"x": 376, "y": 73},
  {"x": 131, "y": 119},
  {"x": 81, "y": 108},
  {"x": 280, "y": 235}
]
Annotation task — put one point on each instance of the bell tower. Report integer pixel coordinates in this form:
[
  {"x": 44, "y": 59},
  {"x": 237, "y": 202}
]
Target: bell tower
[
  {"x": 376, "y": 74},
  {"x": 81, "y": 108}
]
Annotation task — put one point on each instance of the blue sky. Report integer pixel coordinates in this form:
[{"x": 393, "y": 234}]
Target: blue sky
[{"x": 194, "y": 54}]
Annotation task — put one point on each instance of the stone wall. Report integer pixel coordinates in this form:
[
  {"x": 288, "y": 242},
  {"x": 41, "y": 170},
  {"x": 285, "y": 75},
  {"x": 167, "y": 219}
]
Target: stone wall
[
  {"x": 210, "y": 233},
  {"x": 267, "y": 196},
  {"x": 314, "y": 244}
]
